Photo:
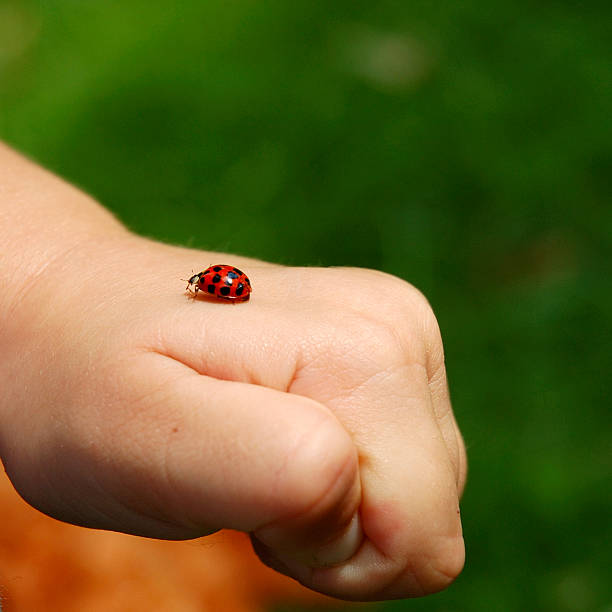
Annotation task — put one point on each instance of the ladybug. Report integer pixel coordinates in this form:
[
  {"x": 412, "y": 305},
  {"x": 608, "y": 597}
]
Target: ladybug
[{"x": 222, "y": 281}]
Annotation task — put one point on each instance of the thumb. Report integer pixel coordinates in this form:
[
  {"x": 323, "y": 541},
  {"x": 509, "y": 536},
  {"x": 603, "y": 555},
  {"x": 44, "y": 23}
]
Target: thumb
[
  {"x": 165, "y": 452},
  {"x": 278, "y": 465}
]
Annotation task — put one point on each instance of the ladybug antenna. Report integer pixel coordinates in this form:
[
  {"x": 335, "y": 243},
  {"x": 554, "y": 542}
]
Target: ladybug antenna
[{"x": 187, "y": 280}]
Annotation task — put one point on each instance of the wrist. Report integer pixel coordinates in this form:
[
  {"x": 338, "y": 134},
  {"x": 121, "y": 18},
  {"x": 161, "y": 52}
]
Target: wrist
[{"x": 42, "y": 220}]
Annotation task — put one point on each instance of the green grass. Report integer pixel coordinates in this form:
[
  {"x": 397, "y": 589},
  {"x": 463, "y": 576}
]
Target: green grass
[{"x": 465, "y": 147}]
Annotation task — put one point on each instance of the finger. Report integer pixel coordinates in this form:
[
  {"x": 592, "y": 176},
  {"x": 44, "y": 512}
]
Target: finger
[
  {"x": 442, "y": 409},
  {"x": 227, "y": 454},
  {"x": 409, "y": 509},
  {"x": 440, "y": 396}
]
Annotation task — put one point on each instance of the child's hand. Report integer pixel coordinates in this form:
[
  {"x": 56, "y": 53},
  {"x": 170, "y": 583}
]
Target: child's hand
[{"x": 128, "y": 405}]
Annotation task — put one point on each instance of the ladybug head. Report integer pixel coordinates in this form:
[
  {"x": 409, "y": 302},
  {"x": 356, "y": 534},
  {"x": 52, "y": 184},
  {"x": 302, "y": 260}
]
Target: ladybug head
[{"x": 192, "y": 281}]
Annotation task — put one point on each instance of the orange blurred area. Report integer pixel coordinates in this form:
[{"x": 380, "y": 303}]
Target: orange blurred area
[{"x": 49, "y": 566}]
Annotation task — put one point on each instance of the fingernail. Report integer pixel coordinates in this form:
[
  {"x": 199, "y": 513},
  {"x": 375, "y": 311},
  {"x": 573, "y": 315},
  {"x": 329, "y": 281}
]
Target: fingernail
[
  {"x": 333, "y": 553},
  {"x": 342, "y": 548},
  {"x": 337, "y": 551}
]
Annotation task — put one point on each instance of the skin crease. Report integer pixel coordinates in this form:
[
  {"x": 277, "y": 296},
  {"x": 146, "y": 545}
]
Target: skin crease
[{"x": 127, "y": 405}]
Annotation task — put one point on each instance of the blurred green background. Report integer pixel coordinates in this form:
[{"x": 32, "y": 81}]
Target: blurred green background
[{"x": 463, "y": 146}]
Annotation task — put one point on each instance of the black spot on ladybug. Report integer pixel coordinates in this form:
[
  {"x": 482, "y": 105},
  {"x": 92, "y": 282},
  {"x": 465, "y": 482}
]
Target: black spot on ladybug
[
  {"x": 237, "y": 271},
  {"x": 239, "y": 289},
  {"x": 224, "y": 290},
  {"x": 216, "y": 278},
  {"x": 210, "y": 288},
  {"x": 217, "y": 268}
]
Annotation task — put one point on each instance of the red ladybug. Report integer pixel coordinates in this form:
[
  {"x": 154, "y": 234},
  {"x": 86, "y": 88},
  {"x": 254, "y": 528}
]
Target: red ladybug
[{"x": 224, "y": 282}]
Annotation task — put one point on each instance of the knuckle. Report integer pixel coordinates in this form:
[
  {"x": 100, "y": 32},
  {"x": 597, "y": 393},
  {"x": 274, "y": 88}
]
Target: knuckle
[
  {"x": 399, "y": 311},
  {"x": 365, "y": 339},
  {"x": 396, "y": 291},
  {"x": 442, "y": 566},
  {"x": 379, "y": 335}
]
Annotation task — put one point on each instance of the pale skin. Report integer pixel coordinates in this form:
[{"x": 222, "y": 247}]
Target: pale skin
[{"x": 314, "y": 417}]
